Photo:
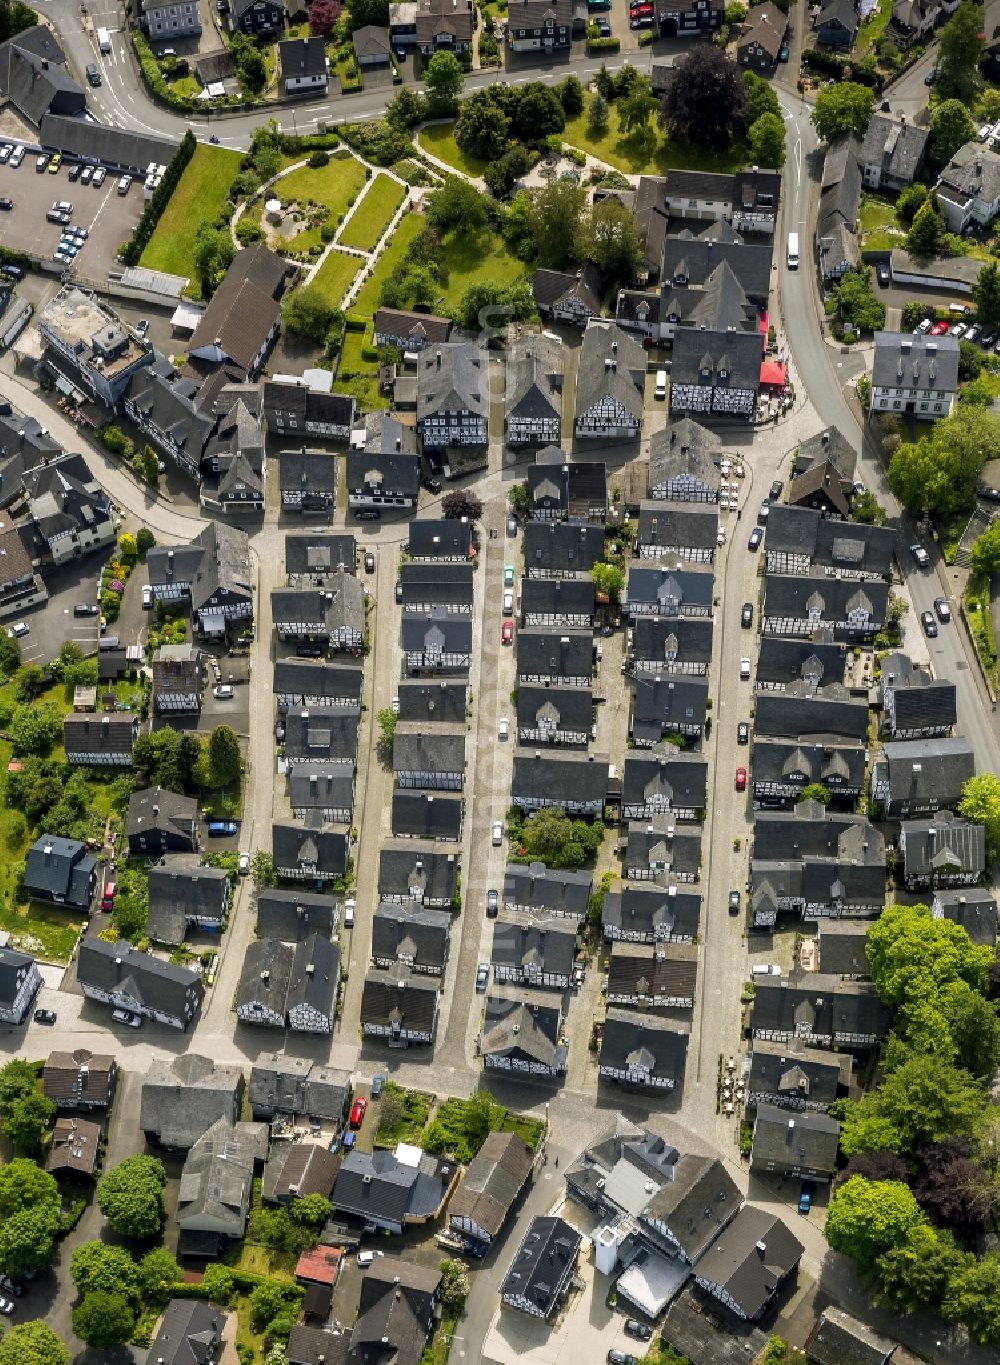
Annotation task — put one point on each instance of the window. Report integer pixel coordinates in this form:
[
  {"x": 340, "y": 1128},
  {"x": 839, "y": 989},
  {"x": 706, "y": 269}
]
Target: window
[{"x": 896, "y": 403}]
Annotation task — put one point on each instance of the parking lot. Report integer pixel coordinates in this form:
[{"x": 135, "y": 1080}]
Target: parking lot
[
  {"x": 51, "y": 625},
  {"x": 108, "y": 217}
]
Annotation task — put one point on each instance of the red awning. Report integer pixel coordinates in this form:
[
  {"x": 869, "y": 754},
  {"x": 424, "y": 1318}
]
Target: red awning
[{"x": 772, "y": 373}]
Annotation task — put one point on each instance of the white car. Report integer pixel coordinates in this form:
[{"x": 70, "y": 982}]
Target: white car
[
  {"x": 744, "y": 669},
  {"x": 127, "y": 1017},
  {"x": 503, "y": 729},
  {"x": 224, "y": 693},
  {"x": 720, "y": 538},
  {"x": 350, "y": 905},
  {"x": 367, "y": 1257},
  {"x": 920, "y": 555},
  {"x": 99, "y": 175},
  {"x": 394, "y": 706},
  {"x": 496, "y": 833},
  {"x": 765, "y": 969},
  {"x": 141, "y": 328},
  {"x": 18, "y": 629},
  {"x": 147, "y": 597},
  {"x": 244, "y": 864}
]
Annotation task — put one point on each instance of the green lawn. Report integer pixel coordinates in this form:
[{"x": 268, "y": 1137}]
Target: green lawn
[
  {"x": 880, "y": 230},
  {"x": 335, "y": 276},
  {"x": 363, "y": 381},
  {"x": 330, "y": 186},
  {"x": 416, "y": 1108},
  {"x": 198, "y": 198},
  {"x": 977, "y": 611},
  {"x": 373, "y": 214},
  {"x": 439, "y": 140},
  {"x": 395, "y": 253},
  {"x": 630, "y": 154},
  {"x": 480, "y": 256},
  {"x": 459, "y": 1130},
  {"x": 870, "y": 32}
]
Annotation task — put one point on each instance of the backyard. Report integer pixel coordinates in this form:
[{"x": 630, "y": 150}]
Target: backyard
[
  {"x": 323, "y": 195},
  {"x": 471, "y": 257},
  {"x": 439, "y": 140},
  {"x": 880, "y": 230},
  {"x": 637, "y": 155},
  {"x": 871, "y": 30},
  {"x": 335, "y": 276},
  {"x": 200, "y": 195},
  {"x": 374, "y": 214}
]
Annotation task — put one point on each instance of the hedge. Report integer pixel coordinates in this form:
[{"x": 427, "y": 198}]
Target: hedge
[
  {"x": 152, "y": 213},
  {"x": 603, "y": 45},
  {"x": 841, "y": 67},
  {"x": 155, "y": 80}
]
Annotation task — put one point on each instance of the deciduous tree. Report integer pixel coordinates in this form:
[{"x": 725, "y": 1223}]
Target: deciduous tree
[
  {"x": 131, "y": 1196},
  {"x": 539, "y": 113},
  {"x": 986, "y": 294},
  {"x": 867, "y": 1218},
  {"x": 456, "y": 203},
  {"x": 483, "y": 127},
  {"x": 953, "y": 1189},
  {"x": 462, "y": 503},
  {"x": 981, "y": 794},
  {"x": 760, "y": 96},
  {"x": 27, "y": 1121},
  {"x": 609, "y": 580},
  {"x": 843, "y": 108},
  {"x": 910, "y": 199},
  {"x": 916, "y": 1271},
  {"x": 706, "y": 101},
  {"x": 951, "y": 127},
  {"x": 961, "y": 49},
  {"x": 17, "y": 1079},
  {"x": 104, "y": 1320},
  {"x": 323, "y": 14},
  {"x": 32, "y": 1343},
  {"x": 224, "y": 756},
  {"x": 308, "y": 312},
  {"x": 973, "y": 1294},
  {"x": 767, "y": 140},
  {"x": 99, "y": 1267},
  {"x": 913, "y": 955},
  {"x": 556, "y": 221},
  {"x": 23, "y": 1185},
  {"x": 27, "y": 1239},
  {"x": 443, "y": 82}
]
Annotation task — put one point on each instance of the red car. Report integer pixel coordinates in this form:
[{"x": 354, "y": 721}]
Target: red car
[
  {"x": 938, "y": 330},
  {"x": 358, "y": 1112},
  {"x": 741, "y": 779},
  {"x": 507, "y": 633}
]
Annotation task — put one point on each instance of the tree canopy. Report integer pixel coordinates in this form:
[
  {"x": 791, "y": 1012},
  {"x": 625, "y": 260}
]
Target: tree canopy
[
  {"x": 961, "y": 49},
  {"x": 557, "y": 211},
  {"x": 913, "y": 955},
  {"x": 99, "y": 1267},
  {"x": 951, "y": 127},
  {"x": 308, "y": 312},
  {"x": 443, "y": 82},
  {"x": 23, "y": 1185},
  {"x": 986, "y": 294},
  {"x": 981, "y": 794},
  {"x": 706, "y": 101},
  {"x": 551, "y": 837},
  {"x": 923, "y": 1100},
  {"x": 843, "y": 108},
  {"x": 869, "y": 1217},
  {"x": 766, "y": 136},
  {"x": 131, "y": 1196},
  {"x": 27, "y": 1121},
  {"x": 32, "y": 1343},
  {"x": 927, "y": 232},
  {"x": 104, "y": 1320}
]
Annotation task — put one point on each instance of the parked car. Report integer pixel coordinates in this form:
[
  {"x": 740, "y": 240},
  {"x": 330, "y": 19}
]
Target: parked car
[
  {"x": 127, "y": 1018},
  {"x": 756, "y": 536},
  {"x": 350, "y": 905},
  {"x": 958, "y": 331},
  {"x": 741, "y": 779},
  {"x": 18, "y": 629},
  {"x": 776, "y": 489},
  {"x": 805, "y": 1197},
  {"x": 744, "y": 669},
  {"x": 621, "y": 1358},
  {"x": 508, "y": 575},
  {"x": 224, "y": 693},
  {"x": 988, "y": 338},
  {"x": 503, "y": 728},
  {"x": 921, "y": 556},
  {"x": 939, "y": 329},
  {"x": 883, "y": 275},
  {"x": 496, "y": 833},
  {"x": 221, "y": 829},
  {"x": 367, "y": 1257},
  {"x": 640, "y": 1330},
  {"x": 507, "y": 633},
  {"x": 74, "y": 171},
  {"x": 492, "y": 904},
  {"x": 6, "y": 1307},
  {"x": 974, "y": 332},
  {"x": 929, "y": 624},
  {"x": 42, "y": 1017},
  {"x": 925, "y": 326},
  {"x": 743, "y": 733},
  {"x": 734, "y": 902},
  {"x": 942, "y": 608},
  {"x": 377, "y": 1083},
  {"x": 482, "y": 977},
  {"x": 358, "y": 1111},
  {"x": 98, "y": 179},
  {"x": 431, "y": 484},
  {"x": 86, "y": 609},
  {"x": 55, "y": 163},
  {"x": 147, "y": 597},
  {"x": 931, "y": 76},
  {"x": 369, "y": 562},
  {"x": 746, "y": 615},
  {"x": 244, "y": 864}
]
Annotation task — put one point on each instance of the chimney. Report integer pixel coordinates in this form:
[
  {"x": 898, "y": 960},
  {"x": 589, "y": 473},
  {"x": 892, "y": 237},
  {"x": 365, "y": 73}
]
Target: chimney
[
  {"x": 761, "y": 1248},
  {"x": 156, "y": 811},
  {"x": 439, "y": 359},
  {"x": 265, "y": 976}
]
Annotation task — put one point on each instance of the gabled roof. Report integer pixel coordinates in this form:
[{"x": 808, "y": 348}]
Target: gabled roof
[
  {"x": 833, "y": 599},
  {"x": 651, "y": 909},
  {"x": 320, "y": 553},
  {"x": 442, "y": 584},
  {"x": 534, "y": 377},
  {"x": 533, "y": 946},
  {"x": 840, "y": 1339},
  {"x": 972, "y": 173},
  {"x": 566, "y": 546},
  {"x": 545, "y": 1258},
  {"x": 646, "y": 1049},
  {"x": 451, "y": 378},
  {"x": 183, "y": 1096},
  {"x": 781, "y": 660},
  {"x": 690, "y": 260},
  {"x": 437, "y": 631},
  {"x": 612, "y": 366},
  {"x": 326, "y": 734},
  {"x": 282, "y": 1083},
  {"x": 323, "y": 848},
  {"x": 927, "y": 768},
  {"x": 561, "y": 777},
  {"x": 301, "y": 676},
  {"x": 79, "y": 1078},
  {"x": 802, "y": 709},
  {"x": 663, "y": 703},
  {"x": 267, "y": 968},
  {"x": 527, "y": 1028},
  {"x": 555, "y": 651},
  {"x": 407, "y": 865},
  {"x": 653, "y": 974},
  {"x": 314, "y": 977},
  {"x": 736, "y": 1263},
  {"x": 665, "y": 770},
  {"x": 161, "y": 986},
  {"x": 243, "y": 310},
  {"x": 684, "y": 448},
  {"x": 798, "y": 1072},
  {"x": 895, "y": 146},
  {"x": 552, "y": 287},
  {"x": 803, "y": 1139},
  {"x": 672, "y": 590},
  {"x": 76, "y": 1146},
  {"x": 678, "y": 524},
  {"x": 837, "y": 544},
  {"x": 217, "y": 1178},
  {"x": 557, "y": 597},
  {"x": 441, "y": 749},
  {"x": 492, "y": 1181},
  {"x": 547, "y": 890},
  {"x": 392, "y": 473},
  {"x": 189, "y": 1334},
  {"x": 180, "y": 892},
  {"x": 294, "y": 915},
  {"x": 973, "y": 908},
  {"x": 842, "y": 947},
  {"x": 412, "y": 1004},
  {"x": 440, "y": 537},
  {"x": 32, "y": 76},
  {"x": 318, "y": 786},
  {"x": 310, "y": 470},
  {"x": 695, "y": 1202},
  {"x": 919, "y": 700},
  {"x": 813, "y": 1002},
  {"x": 421, "y": 327},
  {"x": 302, "y": 57},
  {"x": 915, "y": 361},
  {"x": 766, "y": 25},
  {"x": 660, "y": 841},
  {"x": 422, "y": 814},
  {"x": 566, "y": 708},
  {"x": 840, "y": 12},
  {"x": 410, "y": 933},
  {"x": 58, "y": 867},
  {"x": 725, "y": 359},
  {"x": 942, "y": 844},
  {"x": 833, "y": 761}
]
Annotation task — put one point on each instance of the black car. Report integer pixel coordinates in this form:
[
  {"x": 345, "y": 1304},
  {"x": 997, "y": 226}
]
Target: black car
[
  {"x": 399, "y": 591},
  {"x": 756, "y": 536},
  {"x": 734, "y": 902},
  {"x": 640, "y": 1330},
  {"x": 743, "y": 733},
  {"x": 369, "y": 562},
  {"x": 492, "y": 904},
  {"x": 603, "y": 28},
  {"x": 883, "y": 275},
  {"x": 85, "y": 609},
  {"x": 432, "y": 485},
  {"x": 74, "y": 171},
  {"x": 776, "y": 489},
  {"x": 746, "y": 615},
  {"x": 367, "y": 514},
  {"x": 310, "y": 650},
  {"x": 6, "y": 203},
  {"x": 929, "y": 624},
  {"x": 44, "y": 1016}
]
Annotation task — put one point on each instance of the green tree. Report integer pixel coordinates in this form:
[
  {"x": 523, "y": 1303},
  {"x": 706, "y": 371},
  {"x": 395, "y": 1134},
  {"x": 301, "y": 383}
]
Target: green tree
[
  {"x": 766, "y": 136},
  {"x": 462, "y": 502},
  {"x": 986, "y": 294},
  {"x": 843, "y": 108},
  {"x": 501, "y": 175},
  {"x": 556, "y": 221},
  {"x": 551, "y": 837},
  {"x": 145, "y": 540},
  {"x": 128, "y": 547},
  {"x": 868, "y": 1217},
  {"x": 951, "y": 127},
  {"x": 387, "y": 722},
  {"x": 539, "y": 113},
  {"x": 961, "y": 49},
  {"x": 224, "y": 758},
  {"x": 99, "y": 1268},
  {"x": 483, "y": 127},
  {"x": 308, "y": 312},
  {"x": 916, "y": 1271},
  {"x": 263, "y": 871},
  {"x": 926, "y": 1099},
  {"x": 131, "y": 1196},
  {"x": 925, "y": 477},
  {"x": 454, "y": 1284},
  {"x": 866, "y": 509},
  {"x": 981, "y": 794},
  {"x": 213, "y": 255},
  {"x": 910, "y": 199},
  {"x": 761, "y": 97},
  {"x": 914, "y": 956},
  {"x": 364, "y": 12},
  {"x": 609, "y": 580},
  {"x": 636, "y": 111},
  {"x": 35, "y": 729},
  {"x": 973, "y": 1293},
  {"x": 456, "y": 203},
  {"x": 27, "y": 1121},
  {"x": 312, "y": 1210},
  {"x": 17, "y": 1079},
  {"x": 815, "y": 791},
  {"x": 158, "y": 1272},
  {"x": 857, "y": 303},
  {"x": 32, "y": 1343},
  {"x": 609, "y": 237},
  {"x": 598, "y": 116},
  {"x": 251, "y": 71},
  {"x": 27, "y": 1239},
  {"x": 706, "y": 102},
  {"x": 405, "y": 108},
  {"x": 23, "y": 1185},
  {"x": 570, "y": 92},
  {"x": 863, "y": 1130},
  {"x": 266, "y": 1302},
  {"x": 10, "y": 656},
  {"x": 443, "y": 82},
  {"x": 104, "y": 1320},
  {"x": 926, "y": 236}
]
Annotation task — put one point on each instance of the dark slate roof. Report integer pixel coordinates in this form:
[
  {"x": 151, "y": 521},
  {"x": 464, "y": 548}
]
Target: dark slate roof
[
  {"x": 267, "y": 968},
  {"x": 557, "y": 651},
  {"x": 393, "y": 1190},
  {"x": 647, "y": 908},
  {"x": 840, "y": 195},
  {"x": 791, "y": 595},
  {"x": 534, "y": 377},
  {"x": 662, "y": 703},
  {"x": 32, "y": 76},
  {"x": 823, "y": 1002},
  {"x": 927, "y": 362},
  {"x": 412, "y": 1003},
  {"x": 293, "y": 845},
  {"x": 314, "y": 975},
  {"x": 797, "y": 1071},
  {"x": 317, "y": 679},
  {"x": 183, "y": 1096},
  {"x": 894, "y": 145},
  {"x": 557, "y": 597},
  {"x": 410, "y": 933},
  {"x": 804, "y": 710},
  {"x": 688, "y": 638},
  {"x": 928, "y": 768},
  {"x": 303, "y": 57},
  {"x": 451, "y": 378},
  {"x": 318, "y": 1346},
  {"x": 805, "y": 1138},
  {"x": 665, "y": 770},
  {"x": 549, "y": 287},
  {"x": 318, "y": 553},
  {"x": 578, "y": 488},
  {"x": 840, "y": 1339},
  {"x": 696, "y": 1200},
  {"x": 720, "y": 305},
  {"x": 635, "y": 1042},
  {"x": 684, "y": 447},
  {"x": 288, "y": 1084},
  {"x": 550, "y": 1246},
  {"x": 830, "y": 444},
  {"x": 572, "y": 708},
  {"x": 689, "y": 260},
  {"x": 529, "y": 1028},
  {"x": 842, "y": 947},
  {"x": 808, "y": 829},
  {"x": 426, "y": 814},
  {"x": 420, "y": 326},
  {"x": 612, "y": 368},
  {"x": 397, "y": 1298},
  {"x": 438, "y": 630},
  {"x": 440, "y": 749},
  {"x": 842, "y": 11},
  {"x": 659, "y": 842},
  {"x": 167, "y": 399},
  {"x": 673, "y": 590},
  {"x": 747, "y": 1274},
  {"x": 12, "y": 964},
  {"x": 307, "y": 469},
  {"x": 397, "y": 472},
  {"x": 784, "y": 661},
  {"x": 293, "y": 915},
  {"x": 678, "y": 523},
  {"x": 835, "y": 763},
  {"x": 942, "y": 844},
  {"x": 328, "y": 733},
  {"x": 655, "y": 974},
  {"x": 159, "y": 985},
  {"x": 492, "y": 1181},
  {"x": 920, "y": 701},
  {"x": 322, "y": 786},
  {"x": 59, "y": 867},
  {"x": 837, "y": 544},
  {"x": 71, "y": 1079},
  {"x": 407, "y": 863},
  {"x": 444, "y": 584},
  {"x": 422, "y": 699},
  {"x": 765, "y": 24},
  {"x": 566, "y": 546},
  {"x": 551, "y": 890},
  {"x": 737, "y": 353},
  {"x": 562, "y": 777},
  {"x": 189, "y": 1333},
  {"x": 444, "y": 537},
  {"x": 178, "y": 893},
  {"x": 973, "y": 908},
  {"x": 548, "y": 946}
]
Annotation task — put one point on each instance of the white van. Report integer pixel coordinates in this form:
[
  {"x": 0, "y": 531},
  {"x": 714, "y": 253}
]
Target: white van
[
  {"x": 104, "y": 40},
  {"x": 792, "y": 255},
  {"x": 661, "y": 384}
]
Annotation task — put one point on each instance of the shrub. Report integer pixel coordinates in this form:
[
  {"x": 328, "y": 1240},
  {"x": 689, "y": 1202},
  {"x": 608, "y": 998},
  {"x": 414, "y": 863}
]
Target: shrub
[{"x": 151, "y": 214}]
